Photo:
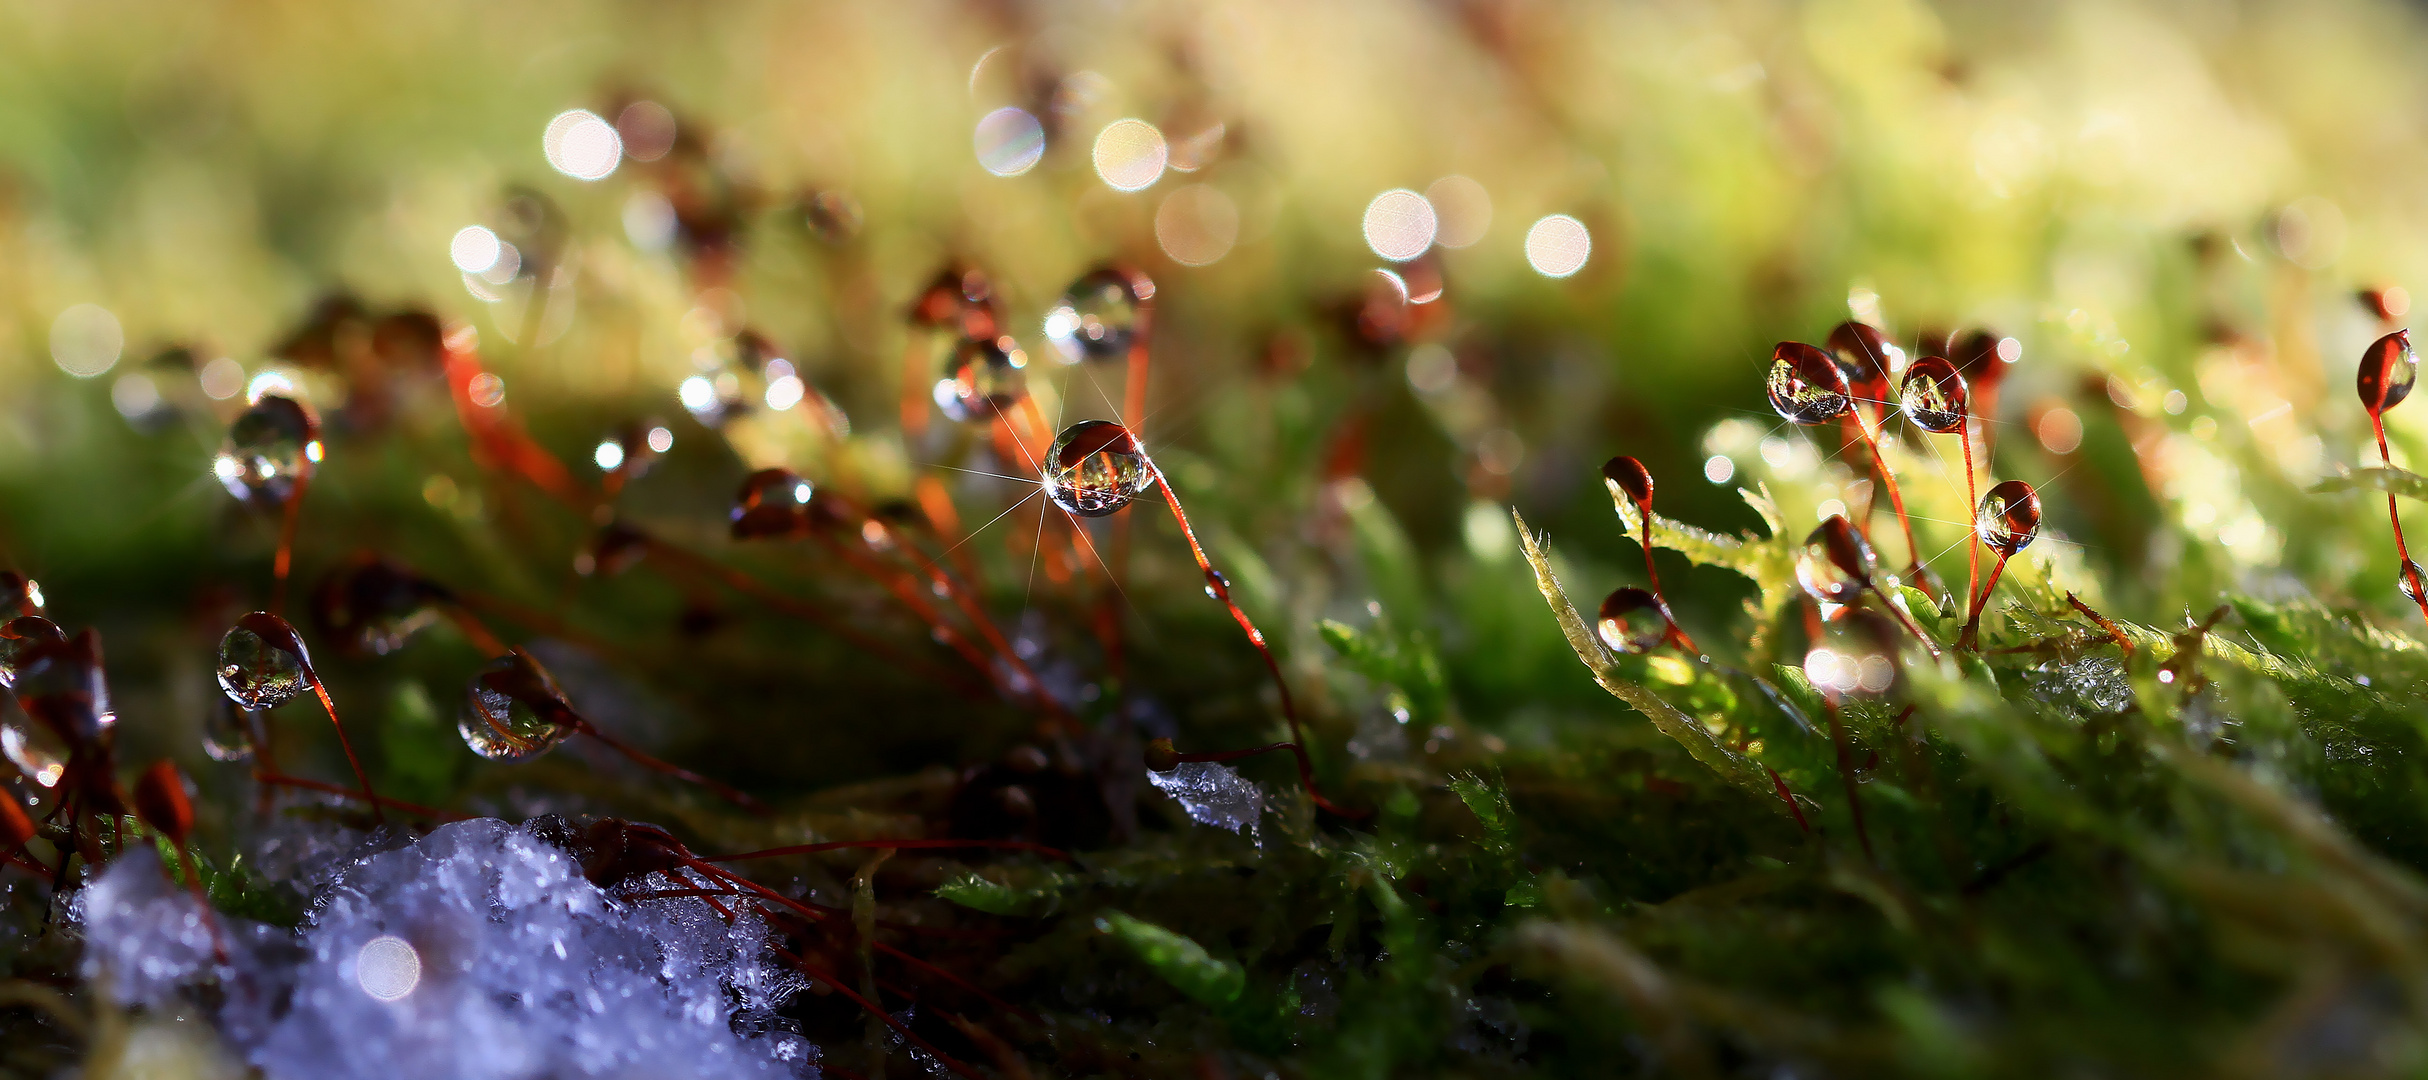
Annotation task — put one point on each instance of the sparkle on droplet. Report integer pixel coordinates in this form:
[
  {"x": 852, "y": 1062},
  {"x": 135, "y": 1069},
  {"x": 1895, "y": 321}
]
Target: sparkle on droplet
[
  {"x": 262, "y": 662},
  {"x": 1806, "y": 385},
  {"x": 1098, "y": 318},
  {"x": 1836, "y": 563},
  {"x": 1934, "y": 395},
  {"x": 270, "y": 451},
  {"x": 1632, "y": 621},
  {"x": 1095, "y": 468},
  {"x": 2009, "y": 517}
]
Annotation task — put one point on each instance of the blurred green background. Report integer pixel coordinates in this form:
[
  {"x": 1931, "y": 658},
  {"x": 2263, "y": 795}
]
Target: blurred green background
[{"x": 2171, "y": 208}]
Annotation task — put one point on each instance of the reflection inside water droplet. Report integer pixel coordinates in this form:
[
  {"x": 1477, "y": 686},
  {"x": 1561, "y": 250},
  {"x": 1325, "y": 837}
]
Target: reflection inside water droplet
[
  {"x": 1095, "y": 468},
  {"x": 262, "y": 662},
  {"x": 1631, "y": 621},
  {"x": 1806, "y": 385},
  {"x": 2009, "y": 517}
]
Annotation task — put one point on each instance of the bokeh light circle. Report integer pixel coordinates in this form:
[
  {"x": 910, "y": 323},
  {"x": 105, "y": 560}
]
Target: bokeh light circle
[
  {"x": 1464, "y": 209},
  {"x": 1008, "y": 141},
  {"x": 1130, "y": 154},
  {"x": 647, "y": 129},
  {"x": 474, "y": 249},
  {"x": 1196, "y": 225},
  {"x": 1400, "y": 225},
  {"x": 86, "y": 340},
  {"x": 1558, "y": 245},
  {"x": 581, "y": 145},
  {"x": 388, "y": 967}
]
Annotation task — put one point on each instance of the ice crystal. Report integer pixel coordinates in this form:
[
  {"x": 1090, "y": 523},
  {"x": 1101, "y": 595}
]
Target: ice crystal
[
  {"x": 478, "y": 952},
  {"x": 1213, "y": 794}
]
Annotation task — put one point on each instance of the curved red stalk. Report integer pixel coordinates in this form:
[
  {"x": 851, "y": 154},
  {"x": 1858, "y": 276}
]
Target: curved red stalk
[
  {"x": 668, "y": 768},
  {"x": 1846, "y": 773},
  {"x": 1896, "y": 498},
  {"x": 1221, "y": 588},
  {"x": 1971, "y": 638},
  {"x": 360, "y": 777},
  {"x": 273, "y": 779},
  {"x": 289, "y": 515},
  {"x": 2377, "y": 421},
  {"x": 1780, "y": 784},
  {"x": 1972, "y": 503}
]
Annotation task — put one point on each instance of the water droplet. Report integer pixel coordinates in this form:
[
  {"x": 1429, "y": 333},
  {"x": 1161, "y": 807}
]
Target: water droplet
[
  {"x": 270, "y": 450},
  {"x": 1218, "y": 586},
  {"x": 1836, "y": 563},
  {"x": 2389, "y": 369},
  {"x": 1863, "y": 354},
  {"x": 1632, "y": 478},
  {"x": 372, "y": 605},
  {"x": 982, "y": 378},
  {"x": 513, "y": 710},
  {"x": 227, "y": 731},
  {"x": 1095, "y": 468},
  {"x": 19, "y": 635},
  {"x": 617, "y": 547},
  {"x": 33, "y": 748},
  {"x": 1098, "y": 318},
  {"x": 2009, "y": 518},
  {"x": 1632, "y": 621},
  {"x": 958, "y": 300},
  {"x": 262, "y": 662},
  {"x": 772, "y": 503},
  {"x": 1934, "y": 395},
  {"x": 2410, "y": 581},
  {"x": 60, "y": 684},
  {"x": 1806, "y": 384}
]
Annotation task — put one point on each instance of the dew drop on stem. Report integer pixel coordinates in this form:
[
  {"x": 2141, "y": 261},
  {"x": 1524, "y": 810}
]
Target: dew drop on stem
[
  {"x": 1836, "y": 564},
  {"x": 1806, "y": 385},
  {"x": 270, "y": 452},
  {"x": 262, "y": 662},
  {"x": 1934, "y": 395},
  {"x": 2009, "y": 517},
  {"x": 1095, "y": 468},
  {"x": 1632, "y": 621},
  {"x": 1099, "y": 317}
]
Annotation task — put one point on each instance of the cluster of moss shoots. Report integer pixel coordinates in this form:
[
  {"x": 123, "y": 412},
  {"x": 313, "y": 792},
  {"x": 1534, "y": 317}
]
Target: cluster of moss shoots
[{"x": 2056, "y": 840}]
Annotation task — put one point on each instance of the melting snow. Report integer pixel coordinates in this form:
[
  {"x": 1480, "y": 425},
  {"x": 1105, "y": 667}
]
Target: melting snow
[{"x": 478, "y": 952}]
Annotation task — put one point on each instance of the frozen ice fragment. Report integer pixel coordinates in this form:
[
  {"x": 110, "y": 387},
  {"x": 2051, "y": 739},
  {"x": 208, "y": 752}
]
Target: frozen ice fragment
[
  {"x": 1212, "y": 793},
  {"x": 478, "y": 952}
]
